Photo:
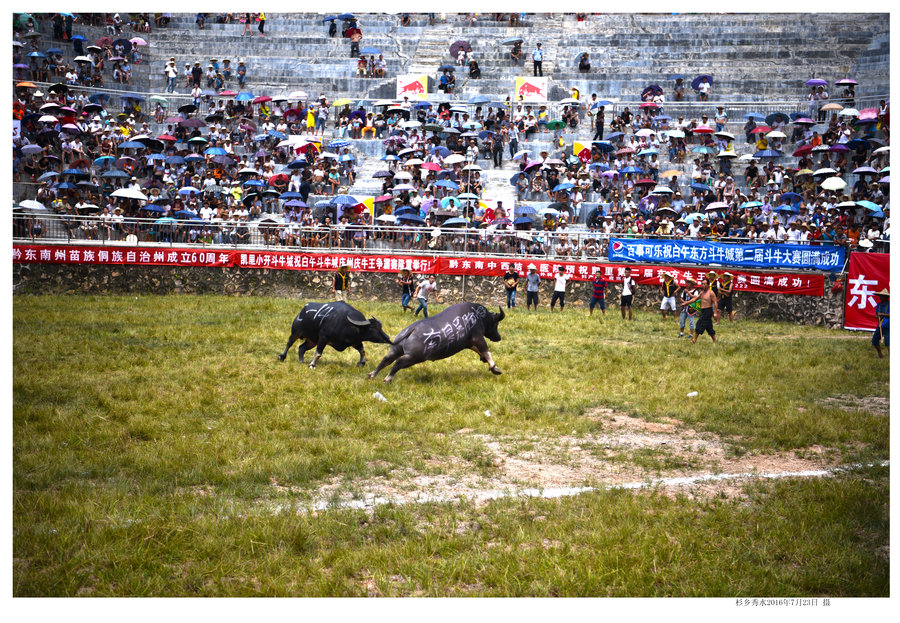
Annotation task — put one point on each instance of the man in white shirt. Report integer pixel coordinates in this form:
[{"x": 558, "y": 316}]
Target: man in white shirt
[
  {"x": 559, "y": 289},
  {"x": 628, "y": 286}
]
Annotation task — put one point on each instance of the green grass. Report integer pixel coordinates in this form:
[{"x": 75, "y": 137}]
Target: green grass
[{"x": 148, "y": 433}]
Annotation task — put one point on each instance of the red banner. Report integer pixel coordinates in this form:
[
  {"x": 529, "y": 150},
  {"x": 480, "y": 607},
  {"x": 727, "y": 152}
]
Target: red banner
[
  {"x": 867, "y": 274},
  {"x": 804, "y": 284}
]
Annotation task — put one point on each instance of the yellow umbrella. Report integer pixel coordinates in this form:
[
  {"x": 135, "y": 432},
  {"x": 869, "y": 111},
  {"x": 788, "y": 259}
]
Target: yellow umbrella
[
  {"x": 804, "y": 172},
  {"x": 342, "y": 102},
  {"x": 671, "y": 173},
  {"x": 832, "y": 106}
]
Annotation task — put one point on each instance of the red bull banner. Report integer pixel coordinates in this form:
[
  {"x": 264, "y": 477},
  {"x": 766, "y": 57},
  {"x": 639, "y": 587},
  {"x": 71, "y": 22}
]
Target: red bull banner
[
  {"x": 532, "y": 89},
  {"x": 867, "y": 274},
  {"x": 794, "y": 284},
  {"x": 413, "y": 87}
]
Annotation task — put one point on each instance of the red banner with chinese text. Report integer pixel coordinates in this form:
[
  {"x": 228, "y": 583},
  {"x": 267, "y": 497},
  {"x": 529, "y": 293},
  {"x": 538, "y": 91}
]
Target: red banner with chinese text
[
  {"x": 867, "y": 274},
  {"x": 804, "y": 284}
]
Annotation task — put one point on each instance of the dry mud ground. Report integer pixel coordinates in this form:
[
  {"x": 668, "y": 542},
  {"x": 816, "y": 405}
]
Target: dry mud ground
[{"x": 630, "y": 452}]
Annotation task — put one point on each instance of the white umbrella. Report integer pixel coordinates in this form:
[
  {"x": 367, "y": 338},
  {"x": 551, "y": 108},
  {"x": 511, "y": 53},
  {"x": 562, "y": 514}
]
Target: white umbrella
[
  {"x": 412, "y": 123},
  {"x": 403, "y": 175},
  {"x": 386, "y": 218},
  {"x": 849, "y": 112},
  {"x": 414, "y": 161},
  {"x": 471, "y": 167},
  {"x": 31, "y": 204},
  {"x": 662, "y": 189},
  {"x": 298, "y": 95},
  {"x": 825, "y": 171},
  {"x": 725, "y": 135},
  {"x": 48, "y": 119},
  {"x": 129, "y": 193},
  {"x": 776, "y": 134},
  {"x": 569, "y": 100},
  {"x": 882, "y": 150},
  {"x": 644, "y": 132},
  {"x": 675, "y": 134},
  {"x": 453, "y": 159},
  {"x": 520, "y": 154},
  {"x": 834, "y": 183}
]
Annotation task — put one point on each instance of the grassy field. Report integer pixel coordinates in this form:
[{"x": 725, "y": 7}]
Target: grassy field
[{"x": 160, "y": 448}]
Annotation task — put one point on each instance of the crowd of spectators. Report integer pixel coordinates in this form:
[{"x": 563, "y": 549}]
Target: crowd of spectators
[{"x": 223, "y": 162}]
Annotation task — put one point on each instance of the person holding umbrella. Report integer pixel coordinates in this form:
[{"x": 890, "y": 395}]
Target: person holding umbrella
[{"x": 883, "y": 322}]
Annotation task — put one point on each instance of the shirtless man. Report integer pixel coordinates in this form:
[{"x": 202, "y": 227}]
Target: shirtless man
[{"x": 707, "y": 300}]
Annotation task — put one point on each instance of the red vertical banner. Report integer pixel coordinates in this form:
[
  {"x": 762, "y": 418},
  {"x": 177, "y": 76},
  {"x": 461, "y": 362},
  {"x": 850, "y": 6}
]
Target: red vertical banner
[{"x": 868, "y": 273}]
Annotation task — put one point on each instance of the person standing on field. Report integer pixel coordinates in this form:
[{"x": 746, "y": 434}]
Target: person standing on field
[
  {"x": 669, "y": 287},
  {"x": 405, "y": 281},
  {"x": 628, "y": 285},
  {"x": 425, "y": 287},
  {"x": 598, "y": 293},
  {"x": 726, "y": 296},
  {"x": 340, "y": 289},
  {"x": 511, "y": 282},
  {"x": 559, "y": 289},
  {"x": 883, "y": 319},
  {"x": 707, "y": 300},
  {"x": 532, "y": 285}
]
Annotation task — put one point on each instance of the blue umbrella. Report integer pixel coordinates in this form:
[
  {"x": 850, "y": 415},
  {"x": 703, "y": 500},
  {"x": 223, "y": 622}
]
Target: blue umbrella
[
  {"x": 523, "y": 220},
  {"x": 777, "y": 116},
  {"x": 298, "y": 164},
  {"x": 97, "y": 98},
  {"x": 66, "y": 186},
  {"x": 369, "y": 50},
  {"x": 215, "y": 151},
  {"x": 36, "y": 55},
  {"x": 186, "y": 214},
  {"x": 345, "y": 200},
  {"x": 403, "y": 210},
  {"x": 525, "y": 209},
  {"x": 768, "y": 153},
  {"x": 447, "y": 184},
  {"x": 797, "y": 115},
  {"x": 153, "y": 157},
  {"x": 346, "y": 16},
  {"x": 695, "y": 83},
  {"x": 164, "y": 220},
  {"x": 330, "y": 18},
  {"x": 243, "y": 97},
  {"x": 411, "y": 217},
  {"x": 515, "y": 178},
  {"x": 291, "y": 194},
  {"x": 485, "y": 134},
  {"x": 133, "y": 96},
  {"x": 347, "y": 158},
  {"x": 751, "y": 204},
  {"x": 691, "y": 217},
  {"x": 49, "y": 175},
  {"x": 325, "y": 203},
  {"x": 565, "y": 186},
  {"x": 153, "y": 208},
  {"x": 450, "y": 222},
  {"x": 614, "y": 135},
  {"x": 114, "y": 173},
  {"x": 441, "y": 68},
  {"x": 700, "y": 187},
  {"x": 174, "y": 160},
  {"x": 53, "y": 51},
  {"x": 600, "y": 103},
  {"x": 631, "y": 170},
  {"x": 787, "y": 209},
  {"x": 441, "y": 151},
  {"x": 600, "y": 165},
  {"x": 755, "y": 116},
  {"x": 277, "y": 134},
  {"x": 74, "y": 172},
  {"x": 189, "y": 190},
  {"x": 479, "y": 99},
  {"x": 79, "y": 38},
  {"x": 295, "y": 203},
  {"x": 790, "y": 197},
  {"x": 869, "y": 205},
  {"x": 254, "y": 183},
  {"x": 194, "y": 158},
  {"x": 132, "y": 145},
  {"x": 858, "y": 142},
  {"x": 337, "y": 144},
  {"x": 603, "y": 147}
]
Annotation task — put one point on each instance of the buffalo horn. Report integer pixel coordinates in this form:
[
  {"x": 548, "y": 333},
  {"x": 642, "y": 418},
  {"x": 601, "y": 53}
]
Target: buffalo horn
[
  {"x": 359, "y": 323},
  {"x": 501, "y": 315}
]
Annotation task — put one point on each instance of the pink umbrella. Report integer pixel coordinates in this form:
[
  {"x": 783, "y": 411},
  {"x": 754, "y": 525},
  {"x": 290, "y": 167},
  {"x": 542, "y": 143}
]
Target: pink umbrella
[
  {"x": 431, "y": 166},
  {"x": 228, "y": 94},
  {"x": 138, "y": 41},
  {"x": 704, "y": 129},
  {"x": 533, "y": 163},
  {"x": 868, "y": 113}
]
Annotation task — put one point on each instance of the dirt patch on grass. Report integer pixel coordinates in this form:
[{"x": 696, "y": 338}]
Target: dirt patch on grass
[
  {"x": 628, "y": 450},
  {"x": 878, "y": 405}
]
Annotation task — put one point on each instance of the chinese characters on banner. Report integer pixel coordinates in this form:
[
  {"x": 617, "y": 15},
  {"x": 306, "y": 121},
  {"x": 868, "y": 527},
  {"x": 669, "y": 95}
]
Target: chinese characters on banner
[
  {"x": 868, "y": 273},
  {"x": 795, "y": 284},
  {"x": 790, "y": 256}
]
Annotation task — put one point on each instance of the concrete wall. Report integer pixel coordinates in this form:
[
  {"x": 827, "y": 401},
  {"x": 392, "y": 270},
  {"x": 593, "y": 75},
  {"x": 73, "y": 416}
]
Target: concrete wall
[{"x": 304, "y": 286}]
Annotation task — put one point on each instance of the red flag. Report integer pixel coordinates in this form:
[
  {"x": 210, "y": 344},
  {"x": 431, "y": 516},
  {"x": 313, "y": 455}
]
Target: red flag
[{"x": 868, "y": 274}]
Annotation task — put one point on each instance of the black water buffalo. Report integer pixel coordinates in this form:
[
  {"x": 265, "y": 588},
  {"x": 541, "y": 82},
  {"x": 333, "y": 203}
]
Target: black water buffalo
[
  {"x": 459, "y": 327},
  {"x": 333, "y": 324}
]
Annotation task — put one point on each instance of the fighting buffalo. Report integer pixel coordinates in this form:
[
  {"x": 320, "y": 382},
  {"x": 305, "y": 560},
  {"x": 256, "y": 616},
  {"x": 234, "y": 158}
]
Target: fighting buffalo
[
  {"x": 459, "y": 327},
  {"x": 333, "y": 324}
]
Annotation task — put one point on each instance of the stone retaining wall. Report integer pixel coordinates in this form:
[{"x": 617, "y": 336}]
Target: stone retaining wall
[{"x": 304, "y": 285}]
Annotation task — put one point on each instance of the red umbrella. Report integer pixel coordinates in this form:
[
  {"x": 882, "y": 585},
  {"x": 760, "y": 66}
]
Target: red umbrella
[
  {"x": 650, "y": 105},
  {"x": 431, "y": 166},
  {"x": 227, "y": 93},
  {"x": 259, "y": 99},
  {"x": 280, "y": 178},
  {"x": 102, "y": 41},
  {"x": 646, "y": 182},
  {"x": 293, "y": 112},
  {"x": 166, "y": 137},
  {"x": 760, "y": 129},
  {"x": 703, "y": 129},
  {"x": 802, "y": 151}
]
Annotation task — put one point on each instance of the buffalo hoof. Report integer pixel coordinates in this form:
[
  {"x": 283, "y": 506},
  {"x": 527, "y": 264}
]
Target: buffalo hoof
[
  {"x": 371, "y": 375},
  {"x": 312, "y": 366},
  {"x": 281, "y": 357},
  {"x": 360, "y": 364},
  {"x": 496, "y": 370}
]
